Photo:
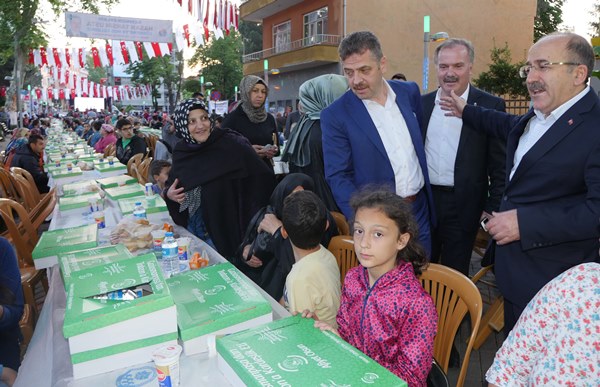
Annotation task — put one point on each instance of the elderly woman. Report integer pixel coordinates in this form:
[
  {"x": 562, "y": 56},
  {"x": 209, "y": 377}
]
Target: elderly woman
[
  {"x": 19, "y": 138},
  {"x": 107, "y": 133},
  {"x": 251, "y": 119},
  {"x": 304, "y": 150},
  {"x": 217, "y": 181}
]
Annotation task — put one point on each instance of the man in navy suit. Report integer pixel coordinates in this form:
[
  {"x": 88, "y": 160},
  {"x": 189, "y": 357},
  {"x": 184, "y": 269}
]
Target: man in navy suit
[
  {"x": 466, "y": 166},
  {"x": 372, "y": 133},
  {"x": 548, "y": 217}
]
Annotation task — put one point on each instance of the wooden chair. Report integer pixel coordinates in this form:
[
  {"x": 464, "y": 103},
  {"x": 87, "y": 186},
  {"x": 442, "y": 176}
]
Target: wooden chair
[
  {"x": 24, "y": 237},
  {"x": 25, "y": 173},
  {"x": 142, "y": 170},
  {"x": 133, "y": 163},
  {"x": 341, "y": 223},
  {"x": 454, "y": 295},
  {"x": 110, "y": 150},
  {"x": 342, "y": 248}
]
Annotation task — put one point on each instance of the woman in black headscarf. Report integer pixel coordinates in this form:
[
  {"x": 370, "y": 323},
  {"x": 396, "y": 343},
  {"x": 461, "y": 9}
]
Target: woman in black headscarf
[
  {"x": 264, "y": 255},
  {"x": 252, "y": 120},
  {"x": 217, "y": 182}
]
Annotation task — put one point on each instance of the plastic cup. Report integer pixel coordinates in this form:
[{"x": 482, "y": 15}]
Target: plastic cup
[
  {"x": 166, "y": 360},
  {"x": 69, "y": 166},
  {"x": 151, "y": 200},
  {"x": 99, "y": 218},
  {"x": 93, "y": 204},
  {"x": 157, "y": 239},
  {"x": 111, "y": 160},
  {"x": 148, "y": 189}
]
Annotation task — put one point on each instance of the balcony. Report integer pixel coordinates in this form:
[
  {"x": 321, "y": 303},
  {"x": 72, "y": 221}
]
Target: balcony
[
  {"x": 315, "y": 40},
  {"x": 257, "y": 10}
]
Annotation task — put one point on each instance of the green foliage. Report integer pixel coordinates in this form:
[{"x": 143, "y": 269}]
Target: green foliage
[
  {"x": 251, "y": 36},
  {"x": 221, "y": 63},
  {"x": 596, "y": 73},
  {"x": 190, "y": 86},
  {"x": 502, "y": 76},
  {"x": 95, "y": 74},
  {"x": 595, "y": 23},
  {"x": 547, "y": 18}
]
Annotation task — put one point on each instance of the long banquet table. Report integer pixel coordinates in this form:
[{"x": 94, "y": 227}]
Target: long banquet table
[{"x": 47, "y": 361}]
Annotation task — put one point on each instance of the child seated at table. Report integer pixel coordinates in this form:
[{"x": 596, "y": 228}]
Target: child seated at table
[
  {"x": 159, "y": 173},
  {"x": 314, "y": 282}
]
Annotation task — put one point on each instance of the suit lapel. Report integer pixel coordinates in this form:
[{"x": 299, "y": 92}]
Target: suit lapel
[
  {"x": 428, "y": 104},
  {"x": 359, "y": 113}
]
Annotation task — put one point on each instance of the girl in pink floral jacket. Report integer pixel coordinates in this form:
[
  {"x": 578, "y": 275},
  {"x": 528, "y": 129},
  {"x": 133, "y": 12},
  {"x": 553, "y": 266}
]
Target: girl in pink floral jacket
[{"x": 384, "y": 311}]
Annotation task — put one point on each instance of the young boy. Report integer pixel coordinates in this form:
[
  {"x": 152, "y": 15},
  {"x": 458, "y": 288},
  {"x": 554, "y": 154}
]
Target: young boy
[
  {"x": 314, "y": 282},
  {"x": 159, "y": 173}
]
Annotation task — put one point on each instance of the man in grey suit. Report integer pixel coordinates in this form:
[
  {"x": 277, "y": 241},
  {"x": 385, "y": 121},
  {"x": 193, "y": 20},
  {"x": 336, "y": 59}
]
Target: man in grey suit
[{"x": 466, "y": 166}]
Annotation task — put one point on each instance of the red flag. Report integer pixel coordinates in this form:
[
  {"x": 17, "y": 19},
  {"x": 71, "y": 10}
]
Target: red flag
[
  {"x": 72, "y": 93},
  {"x": 237, "y": 18},
  {"x": 226, "y": 18},
  {"x": 179, "y": 1},
  {"x": 81, "y": 58},
  {"x": 61, "y": 94},
  {"x": 156, "y": 49},
  {"x": 66, "y": 76},
  {"x": 68, "y": 57},
  {"x": 140, "y": 50},
  {"x": 50, "y": 94},
  {"x": 124, "y": 53},
  {"x": 215, "y": 17},
  {"x": 2, "y": 91},
  {"x": 170, "y": 45},
  {"x": 96, "y": 57},
  {"x": 56, "y": 57},
  {"x": 95, "y": 90},
  {"x": 31, "y": 60},
  {"x": 43, "y": 55},
  {"x": 109, "y": 54},
  {"x": 186, "y": 34},
  {"x": 190, "y": 7},
  {"x": 38, "y": 93},
  {"x": 205, "y": 23}
]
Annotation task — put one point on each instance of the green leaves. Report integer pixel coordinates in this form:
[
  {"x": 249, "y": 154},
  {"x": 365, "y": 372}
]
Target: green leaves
[{"x": 502, "y": 76}]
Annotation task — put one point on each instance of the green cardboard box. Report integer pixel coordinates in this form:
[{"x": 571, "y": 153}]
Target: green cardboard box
[
  {"x": 64, "y": 172},
  {"x": 116, "y": 181},
  {"x": 54, "y": 242},
  {"x": 127, "y": 205},
  {"x": 98, "y": 326},
  {"x": 71, "y": 205},
  {"x": 106, "y": 167},
  {"x": 215, "y": 300},
  {"x": 79, "y": 188},
  {"x": 84, "y": 259},
  {"x": 126, "y": 191},
  {"x": 292, "y": 352}
]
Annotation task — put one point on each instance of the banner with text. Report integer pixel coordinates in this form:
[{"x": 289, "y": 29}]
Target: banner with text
[{"x": 88, "y": 25}]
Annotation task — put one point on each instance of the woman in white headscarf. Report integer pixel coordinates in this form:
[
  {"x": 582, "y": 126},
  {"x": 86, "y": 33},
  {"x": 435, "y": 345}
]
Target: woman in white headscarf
[
  {"x": 304, "y": 149},
  {"x": 251, "y": 120}
]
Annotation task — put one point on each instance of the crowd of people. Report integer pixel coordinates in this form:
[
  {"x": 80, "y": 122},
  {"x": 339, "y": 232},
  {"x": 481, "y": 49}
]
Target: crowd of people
[{"x": 416, "y": 176}]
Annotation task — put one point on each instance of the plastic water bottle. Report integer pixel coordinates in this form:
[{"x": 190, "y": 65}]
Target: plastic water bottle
[
  {"x": 170, "y": 260},
  {"x": 139, "y": 211}
]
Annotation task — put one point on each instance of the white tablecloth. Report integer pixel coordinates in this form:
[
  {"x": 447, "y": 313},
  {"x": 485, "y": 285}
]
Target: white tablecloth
[{"x": 47, "y": 361}]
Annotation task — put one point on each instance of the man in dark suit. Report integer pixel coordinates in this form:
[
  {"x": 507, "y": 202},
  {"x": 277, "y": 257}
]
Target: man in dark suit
[
  {"x": 372, "y": 133},
  {"x": 548, "y": 217},
  {"x": 466, "y": 167}
]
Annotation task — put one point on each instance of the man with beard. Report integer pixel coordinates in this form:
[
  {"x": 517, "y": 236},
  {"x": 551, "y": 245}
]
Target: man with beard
[
  {"x": 466, "y": 166},
  {"x": 548, "y": 217},
  {"x": 372, "y": 133}
]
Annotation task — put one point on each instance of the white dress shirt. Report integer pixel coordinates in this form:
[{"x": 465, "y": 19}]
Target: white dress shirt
[
  {"x": 538, "y": 125},
  {"x": 441, "y": 143},
  {"x": 398, "y": 144}
]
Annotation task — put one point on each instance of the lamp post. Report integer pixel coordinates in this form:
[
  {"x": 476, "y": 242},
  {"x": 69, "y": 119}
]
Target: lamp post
[
  {"x": 266, "y": 78},
  {"x": 437, "y": 37}
]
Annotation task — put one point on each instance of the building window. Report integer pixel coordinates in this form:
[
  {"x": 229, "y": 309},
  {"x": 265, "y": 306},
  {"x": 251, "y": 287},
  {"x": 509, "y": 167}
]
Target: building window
[
  {"x": 315, "y": 26},
  {"x": 282, "y": 35}
]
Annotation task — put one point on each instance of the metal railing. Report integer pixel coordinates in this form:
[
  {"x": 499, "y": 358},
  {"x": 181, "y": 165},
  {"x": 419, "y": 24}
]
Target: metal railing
[{"x": 315, "y": 40}]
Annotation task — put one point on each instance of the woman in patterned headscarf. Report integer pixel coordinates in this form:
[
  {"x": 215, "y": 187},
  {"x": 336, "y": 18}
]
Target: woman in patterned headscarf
[
  {"x": 304, "y": 149},
  {"x": 217, "y": 182},
  {"x": 252, "y": 120}
]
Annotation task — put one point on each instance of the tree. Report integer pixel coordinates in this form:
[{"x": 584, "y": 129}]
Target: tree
[
  {"x": 221, "y": 63},
  {"x": 502, "y": 76},
  {"x": 595, "y": 24},
  {"x": 157, "y": 71},
  {"x": 18, "y": 20},
  {"x": 251, "y": 36},
  {"x": 190, "y": 86},
  {"x": 547, "y": 18}
]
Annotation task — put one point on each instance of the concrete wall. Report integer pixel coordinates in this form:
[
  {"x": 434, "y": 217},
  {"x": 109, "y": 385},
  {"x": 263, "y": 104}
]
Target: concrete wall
[{"x": 399, "y": 26}]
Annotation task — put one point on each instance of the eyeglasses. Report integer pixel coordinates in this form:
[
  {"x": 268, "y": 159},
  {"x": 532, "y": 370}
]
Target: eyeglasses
[{"x": 543, "y": 67}]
